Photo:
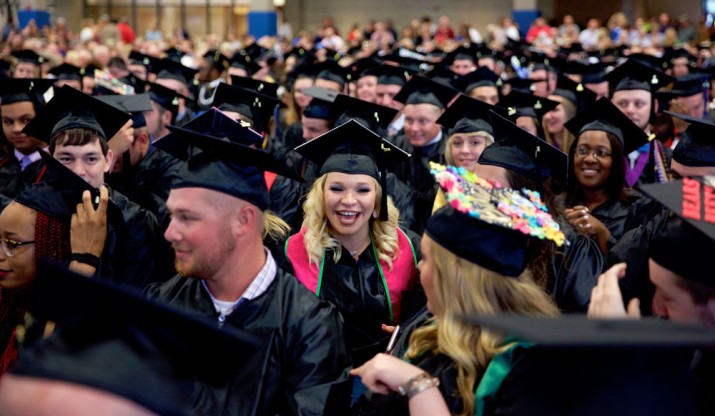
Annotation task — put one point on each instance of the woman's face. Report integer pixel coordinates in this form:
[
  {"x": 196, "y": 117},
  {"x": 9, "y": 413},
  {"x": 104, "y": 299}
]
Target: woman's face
[
  {"x": 427, "y": 270},
  {"x": 349, "y": 203},
  {"x": 301, "y": 99},
  {"x": 466, "y": 149},
  {"x": 528, "y": 124},
  {"x": 17, "y": 223},
  {"x": 592, "y": 159},
  {"x": 554, "y": 120},
  {"x": 367, "y": 88}
]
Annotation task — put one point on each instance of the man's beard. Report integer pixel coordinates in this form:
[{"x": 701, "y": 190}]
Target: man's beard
[{"x": 204, "y": 267}]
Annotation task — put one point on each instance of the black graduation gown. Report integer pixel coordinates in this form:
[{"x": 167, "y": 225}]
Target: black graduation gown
[
  {"x": 13, "y": 180},
  {"x": 308, "y": 355},
  {"x": 415, "y": 173},
  {"x": 356, "y": 289}
]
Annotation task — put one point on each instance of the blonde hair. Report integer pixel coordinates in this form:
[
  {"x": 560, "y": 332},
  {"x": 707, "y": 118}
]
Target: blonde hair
[
  {"x": 463, "y": 288},
  {"x": 318, "y": 233},
  {"x": 448, "y": 147},
  {"x": 570, "y": 112}
]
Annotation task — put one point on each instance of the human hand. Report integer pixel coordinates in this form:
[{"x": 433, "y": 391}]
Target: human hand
[
  {"x": 606, "y": 298},
  {"x": 385, "y": 373},
  {"x": 388, "y": 328},
  {"x": 88, "y": 228},
  {"x": 123, "y": 140}
]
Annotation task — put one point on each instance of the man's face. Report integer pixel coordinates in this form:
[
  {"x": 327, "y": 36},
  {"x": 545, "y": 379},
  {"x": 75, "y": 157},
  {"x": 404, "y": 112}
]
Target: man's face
[
  {"x": 681, "y": 66},
  {"x": 636, "y": 104},
  {"x": 463, "y": 66},
  {"x": 488, "y": 63},
  {"x": 87, "y": 161},
  {"x": 328, "y": 85},
  {"x": 71, "y": 82},
  {"x": 197, "y": 232},
  {"x": 601, "y": 89},
  {"x": 24, "y": 70},
  {"x": 154, "y": 123},
  {"x": 314, "y": 127},
  {"x": 139, "y": 71},
  {"x": 385, "y": 95},
  {"x": 15, "y": 117},
  {"x": 674, "y": 302},
  {"x": 542, "y": 88},
  {"x": 421, "y": 123},
  {"x": 694, "y": 105},
  {"x": 486, "y": 94}
]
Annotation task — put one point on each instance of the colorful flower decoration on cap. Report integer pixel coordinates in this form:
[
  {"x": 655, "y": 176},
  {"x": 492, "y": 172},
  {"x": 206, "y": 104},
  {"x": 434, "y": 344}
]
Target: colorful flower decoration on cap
[{"x": 523, "y": 210}]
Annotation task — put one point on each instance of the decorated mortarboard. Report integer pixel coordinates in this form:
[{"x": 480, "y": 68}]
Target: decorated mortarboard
[
  {"x": 263, "y": 87},
  {"x": 519, "y": 104},
  {"x": 391, "y": 74},
  {"x": 697, "y": 144},
  {"x": 14, "y": 90},
  {"x": 217, "y": 60},
  {"x": 138, "y": 58},
  {"x": 482, "y": 77},
  {"x": 467, "y": 115},
  {"x": 331, "y": 71},
  {"x": 422, "y": 90},
  {"x": 73, "y": 109},
  {"x": 604, "y": 116},
  {"x": 518, "y": 150},
  {"x": 645, "y": 363},
  {"x": 171, "y": 69},
  {"x": 461, "y": 53},
  {"x": 133, "y": 104},
  {"x": 253, "y": 105},
  {"x": 442, "y": 74},
  {"x": 241, "y": 59},
  {"x": 29, "y": 56},
  {"x": 67, "y": 71},
  {"x": 227, "y": 167},
  {"x": 163, "y": 351},
  {"x": 635, "y": 75},
  {"x": 354, "y": 149},
  {"x": 374, "y": 114},
  {"x": 486, "y": 224},
  {"x": 684, "y": 244},
  {"x": 574, "y": 91}
]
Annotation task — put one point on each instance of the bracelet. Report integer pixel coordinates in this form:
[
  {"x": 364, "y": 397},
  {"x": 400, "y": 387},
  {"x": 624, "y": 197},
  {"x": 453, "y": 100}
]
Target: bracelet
[
  {"x": 86, "y": 258},
  {"x": 417, "y": 385}
]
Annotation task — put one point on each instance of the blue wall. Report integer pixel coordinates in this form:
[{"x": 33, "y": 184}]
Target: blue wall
[
  {"x": 42, "y": 17},
  {"x": 262, "y": 23},
  {"x": 524, "y": 18}
]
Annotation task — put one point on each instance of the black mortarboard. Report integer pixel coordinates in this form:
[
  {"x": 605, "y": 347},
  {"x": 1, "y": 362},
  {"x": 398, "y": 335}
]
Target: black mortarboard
[
  {"x": 138, "y": 58},
  {"x": 133, "y": 104},
  {"x": 482, "y": 77},
  {"x": 519, "y": 103},
  {"x": 354, "y": 149},
  {"x": 255, "y": 51},
  {"x": 460, "y": 53},
  {"x": 485, "y": 52},
  {"x": 28, "y": 56},
  {"x": 331, "y": 71},
  {"x": 539, "y": 60},
  {"x": 264, "y": 87},
  {"x": 422, "y": 90},
  {"x": 241, "y": 59},
  {"x": 321, "y": 109},
  {"x": 574, "y": 92},
  {"x": 671, "y": 54},
  {"x": 686, "y": 242},
  {"x": 604, "y": 116},
  {"x": 374, "y": 114},
  {"x": 467, "y": 115},
  {"x": 442, "y": 74},
  {"x": 150, "y": 354},
  {"x": 15, "y": 90},
  {"x": 217, "y": 60},
  {"x": 697, "y": 144},
  {"x": 170, "y": 69},
  {"x": 391, "y": 74},
  {"x": 71, "y": 109},
  {"x": 300, "y": 53},
  {"x": 227, "y": 167},
  {"x": 516, "y": 149},
  {"x": 414, "y": 62},
  {"x": 360, "y": 68},
  {"x": 593, "y": 73},
  {"x": 688, "y": 85},
  {"x": 254, "y": 105},
  {"x": 635, "y": 75},
  {"x": 165, "y": 97},
  {"x": 174, "y": 53},
  {"x": 67, "y": 71},
  {"x": 648, "y": 60},
  {"x": 522, "y": 84}
]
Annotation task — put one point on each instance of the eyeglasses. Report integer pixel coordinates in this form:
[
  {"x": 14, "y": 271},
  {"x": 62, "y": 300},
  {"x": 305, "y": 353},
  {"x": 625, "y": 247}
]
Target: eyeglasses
[
  {"x": 9, "y": 246},
  {"x": 584, "y": 151}
]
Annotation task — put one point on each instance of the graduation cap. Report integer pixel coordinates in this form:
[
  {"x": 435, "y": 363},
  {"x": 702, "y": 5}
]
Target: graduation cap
[
  {"x": 331, "y": 71},
  {"x": 133, "y": 104},
  {"x": 374, "y": 114},
  {"x": 255, "y": 51},
  {"x": 467, "y": 115},
  {"x": 354, "y": 149},
  {"x": 165, "y": 97},
  {"x": 685, "y": 243},
  {"x": 116, "y": 340},
  {"x": 574, "y": 92},
  {"x": 300, "y": 53},
  {"x": 671, "y": 54},
  {"x": 519, "y": 104},
  {"x": 414, "y": 62},
  {"x": 485, "y": 52},
  {"x": 648, "y": 60},
  {"x": 174, "y": 53},
  {"x": 67, "y": 72},
  {"x": 15, "y": 90},
  {"x": 217, "y": 60},
  {"x": 230, "y": 168},
  {"x": 479, "y": 222},
  {"x": 525, "y": 85},
  {"x": 697, "y": 144},
  {"x": 217, "y": 124},
  {"x": 593, "y": 73},
  {"x": 254, "y": 105},
  {"x": 138, "y": 58},
  {"x": 482, "y": 77},
  {"x": 604, "y": 116},
  {"x": 361, "y": 67},
  {"x": 241, "y": 59},
  {"x": 263, "y": 87},
  {"x": 391, "y": 74},
  {"x": 461, "y": 53},
  {"x": 422, "y": 90},
  {"x": 28, "y": 56},
  {"x": 170, "y": 69},
  {"x": 518, "y": 150},
  {"x": 688, "y": 85},
  {"x": 442, "y": 74},
  {"x": 73, "y": 109},
  {"x": 635, "y": 75},
  {"x": 645, "y": 363}
]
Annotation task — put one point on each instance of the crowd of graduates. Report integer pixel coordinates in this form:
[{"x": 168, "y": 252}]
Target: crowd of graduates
[{"x": 369, "y": 226}]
